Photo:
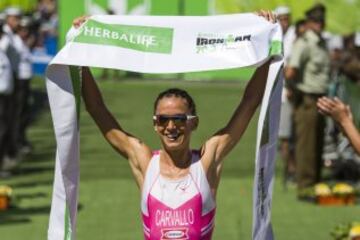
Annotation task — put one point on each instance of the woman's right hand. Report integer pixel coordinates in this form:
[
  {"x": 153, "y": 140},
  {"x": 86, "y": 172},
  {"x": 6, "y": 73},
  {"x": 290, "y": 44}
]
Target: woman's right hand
[{"x": 80, "y": 20}]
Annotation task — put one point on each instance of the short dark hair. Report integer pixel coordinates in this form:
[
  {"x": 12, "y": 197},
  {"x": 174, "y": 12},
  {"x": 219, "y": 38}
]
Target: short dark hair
[
  {"x": 298, "y": 24},
  {"x": 177, "y": 92},
  {"x": 316, "y": 13}
]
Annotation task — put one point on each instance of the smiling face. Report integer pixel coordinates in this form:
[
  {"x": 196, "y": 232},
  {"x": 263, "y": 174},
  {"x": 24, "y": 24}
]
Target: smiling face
[{"x": 174, "y": 133}]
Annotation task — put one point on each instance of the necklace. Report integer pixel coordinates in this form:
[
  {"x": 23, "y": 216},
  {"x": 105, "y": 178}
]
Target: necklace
[{"x": 172, "y": 169}]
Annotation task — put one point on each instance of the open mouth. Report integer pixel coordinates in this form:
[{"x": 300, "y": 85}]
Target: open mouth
[{"x": 172, "y": 136}]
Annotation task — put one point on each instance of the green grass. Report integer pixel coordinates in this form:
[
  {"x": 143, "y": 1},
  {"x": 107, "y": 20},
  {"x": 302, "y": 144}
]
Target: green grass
[{"x": 109, "y": 199}]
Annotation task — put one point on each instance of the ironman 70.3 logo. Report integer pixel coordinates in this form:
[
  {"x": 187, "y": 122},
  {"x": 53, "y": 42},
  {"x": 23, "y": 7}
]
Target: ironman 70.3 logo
[{"x": 211, "y": 42}]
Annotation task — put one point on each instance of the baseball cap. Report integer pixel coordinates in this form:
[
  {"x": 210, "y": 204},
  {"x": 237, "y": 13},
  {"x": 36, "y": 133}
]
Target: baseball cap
[
  {"x": 13, "y": 11},
  {"x": 316, "y": 13},
  {"x": 282, "y": 10}
]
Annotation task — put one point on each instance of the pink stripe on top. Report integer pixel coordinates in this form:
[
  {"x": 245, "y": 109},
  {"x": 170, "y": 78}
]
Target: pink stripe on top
[{"x": 181, "y": 209}]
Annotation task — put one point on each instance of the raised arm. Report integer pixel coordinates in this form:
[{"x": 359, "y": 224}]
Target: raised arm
[
  {"x": 110, "y": 128},
  {"x": 225, "y": 139},
  {"x": 222, "y": 142},
  {"x": 126, "y": 144},
  {"x": 341, "y": 113}
]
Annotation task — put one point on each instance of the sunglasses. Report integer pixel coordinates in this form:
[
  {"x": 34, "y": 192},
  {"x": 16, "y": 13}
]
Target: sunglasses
[{"x": 178, "y": 119}]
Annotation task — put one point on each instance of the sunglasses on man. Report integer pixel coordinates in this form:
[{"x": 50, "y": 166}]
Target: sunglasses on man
[{"x": 178, "y": 119}]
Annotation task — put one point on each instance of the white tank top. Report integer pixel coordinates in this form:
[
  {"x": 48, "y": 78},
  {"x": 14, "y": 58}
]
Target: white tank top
[{"x": 177, "y": 209}]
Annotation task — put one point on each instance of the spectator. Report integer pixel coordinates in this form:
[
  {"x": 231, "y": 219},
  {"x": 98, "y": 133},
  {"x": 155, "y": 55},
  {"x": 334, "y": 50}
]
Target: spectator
[
  {"x": 6, "y": 87},
  {"x": 285, "y": 129},
  {"x": 338, "y": 153},
  {"x": 283, "y": 14},
  {"x": 309, "y": 66},
  {"x": 23, "y": 94},
  {"x": 12, "y": 23},
  {"x": 48, "y": 22}
]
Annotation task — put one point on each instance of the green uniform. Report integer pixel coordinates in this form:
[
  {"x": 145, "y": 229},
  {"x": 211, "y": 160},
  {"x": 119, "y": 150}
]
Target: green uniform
[{"x": 310, "y": 57}]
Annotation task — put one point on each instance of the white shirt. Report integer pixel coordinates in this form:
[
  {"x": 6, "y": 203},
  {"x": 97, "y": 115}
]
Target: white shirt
[
  {"x": 6, "y": 81},
  {"x": 25, "y": 65},
  {"x": 288, "y": 40},
  {"x": 14, "y": 50},
  {"x": 4, "y": 42}
]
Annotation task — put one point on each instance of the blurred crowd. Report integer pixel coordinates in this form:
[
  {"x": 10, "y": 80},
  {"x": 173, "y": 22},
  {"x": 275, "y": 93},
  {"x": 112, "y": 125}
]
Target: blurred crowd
[
  {"x": 317, "y": 64},
  {"x": 20, "y": 33}
]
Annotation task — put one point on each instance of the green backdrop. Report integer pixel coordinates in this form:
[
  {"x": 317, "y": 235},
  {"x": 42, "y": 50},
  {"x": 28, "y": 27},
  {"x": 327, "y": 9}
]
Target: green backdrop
[
  {"x": 26, "y": 5},
  {"x": 343, "y": 16}
]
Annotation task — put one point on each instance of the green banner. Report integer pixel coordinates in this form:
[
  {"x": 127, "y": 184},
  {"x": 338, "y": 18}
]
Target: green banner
[
  {"x": 141, "y": 38},
  {"x": 342, "y": 17}
]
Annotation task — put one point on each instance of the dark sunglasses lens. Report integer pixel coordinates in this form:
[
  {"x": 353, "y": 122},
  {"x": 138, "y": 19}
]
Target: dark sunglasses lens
[
  {"x": 162, "y": 120},
  {"x": 177, "y": 119}
]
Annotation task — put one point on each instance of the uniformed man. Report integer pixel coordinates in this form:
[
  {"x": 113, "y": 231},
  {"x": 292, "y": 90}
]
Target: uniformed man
[{"x": 309, "y": 67}]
